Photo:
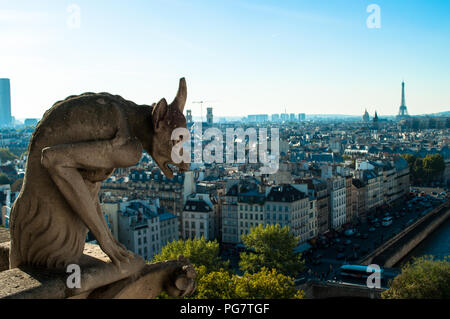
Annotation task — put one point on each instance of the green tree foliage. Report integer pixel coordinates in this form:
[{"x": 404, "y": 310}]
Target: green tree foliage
[
  {"x": 410, "y": 159},
  {"x": 423, "y": 278},
  {"x": 271, "y": 247},
  {"x": 6, "y": 155},
  {"x": 199, "y": 251},
  {"x": 264, "y": 284},
  {"x": 433, "y": 166},
  {"x": 4, "y": 180},
  {"x": 214, "y": 285},
  {"x": 425, "y": 169}
]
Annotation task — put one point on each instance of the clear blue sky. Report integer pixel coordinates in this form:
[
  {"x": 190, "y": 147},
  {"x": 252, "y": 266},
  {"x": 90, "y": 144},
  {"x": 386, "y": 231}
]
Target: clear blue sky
[{"x": 248, "y": 56}]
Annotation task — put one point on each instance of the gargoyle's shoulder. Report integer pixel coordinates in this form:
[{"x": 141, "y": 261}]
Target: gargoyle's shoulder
[{"x": 89, "y": 96}]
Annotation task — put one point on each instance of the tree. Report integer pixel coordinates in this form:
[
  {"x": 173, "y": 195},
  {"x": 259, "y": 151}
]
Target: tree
[
  {"x": 199, "y": 251},
  {"x": 433, "y": 166},
  {"x": 6, "y": 155},
  {"x": 214, "y": 285},
  {"x": 4, "y": 180},
  {"x": 410, "y": 159},
  {"x": 423, "y": 278},
  {"x": 266, "y": 284},
  {"x": 425, "y": 169},
  {"x": 271, "y": 247}
]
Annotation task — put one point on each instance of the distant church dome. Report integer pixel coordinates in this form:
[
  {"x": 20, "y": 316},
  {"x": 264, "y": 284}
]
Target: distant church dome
[{"x": 366, "y": 116}]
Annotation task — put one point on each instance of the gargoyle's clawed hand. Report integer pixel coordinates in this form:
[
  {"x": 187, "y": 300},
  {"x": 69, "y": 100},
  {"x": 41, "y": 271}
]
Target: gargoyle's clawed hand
[
  {"x": 115, "y": 251},
  {"x": 182, "y": 282}
]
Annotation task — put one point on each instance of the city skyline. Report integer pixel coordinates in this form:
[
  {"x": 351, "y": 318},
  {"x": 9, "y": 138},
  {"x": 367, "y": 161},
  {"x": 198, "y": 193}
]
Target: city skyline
[{"x": 248, "y": 57}]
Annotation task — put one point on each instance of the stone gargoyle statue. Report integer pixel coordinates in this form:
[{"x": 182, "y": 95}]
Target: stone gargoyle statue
[{"x": 79, "y": 143}]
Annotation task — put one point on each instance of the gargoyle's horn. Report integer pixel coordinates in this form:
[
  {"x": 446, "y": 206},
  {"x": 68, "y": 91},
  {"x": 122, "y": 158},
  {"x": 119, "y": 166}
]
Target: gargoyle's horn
[{"x": 180, "y": 99}]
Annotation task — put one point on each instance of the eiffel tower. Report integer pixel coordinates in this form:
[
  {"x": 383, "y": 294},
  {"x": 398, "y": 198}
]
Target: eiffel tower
[{"x": 403, "y": 111}]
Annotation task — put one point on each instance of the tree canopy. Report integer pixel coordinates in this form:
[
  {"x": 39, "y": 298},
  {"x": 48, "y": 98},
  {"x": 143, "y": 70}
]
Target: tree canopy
[
  {"x": 215, "y": 281},
  {"x": 271, "y": 247},
  {"x": 199, "y": 251},
  {"x": 423, "y": 278},
  {"x": 4, "y": 180},
  {"x": 427, "y": 169},
  {"x": 265, "y": 284},
  {"x": 6, "y": 155}
]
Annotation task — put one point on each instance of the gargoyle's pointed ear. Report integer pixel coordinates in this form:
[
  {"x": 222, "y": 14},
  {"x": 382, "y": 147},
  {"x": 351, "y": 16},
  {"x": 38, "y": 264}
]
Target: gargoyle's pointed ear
[
  {"x": 180, "y": 99},
  {"x": 158, "y": 114}
]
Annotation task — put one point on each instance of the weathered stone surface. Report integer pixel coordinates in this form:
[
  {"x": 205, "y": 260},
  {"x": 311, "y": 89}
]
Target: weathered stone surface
[
  {"x": 4, "y": 256},
  {"x": 4, "y": 235},
  {"x": 96, "y": 271},
  {"x": 78, "y": 144}
]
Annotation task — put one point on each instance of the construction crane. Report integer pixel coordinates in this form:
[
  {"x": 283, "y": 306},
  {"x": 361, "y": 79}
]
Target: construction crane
[{"x": 201, "y": 107}]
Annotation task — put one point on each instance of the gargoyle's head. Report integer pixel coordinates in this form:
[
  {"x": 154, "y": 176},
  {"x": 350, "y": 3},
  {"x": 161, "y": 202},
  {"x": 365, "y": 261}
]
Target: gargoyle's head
[{"x": 167, "y": 118}]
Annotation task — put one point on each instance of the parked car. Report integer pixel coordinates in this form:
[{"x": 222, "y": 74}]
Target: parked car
[
  {"x": 372, "y": 229},
  {"x": 340, "y": 256},
  {"x": 349, "y": 232},
  {"x": 347, "y": 242},
  {"x": 387, "y": 221}
]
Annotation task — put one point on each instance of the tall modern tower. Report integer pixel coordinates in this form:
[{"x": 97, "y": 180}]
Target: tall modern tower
[
  {"x": 209, "y": 115},
  {"x": 403, "y": 111},
  {"x": 188, "y": 116},
  {"x": 5, "y": 103}
]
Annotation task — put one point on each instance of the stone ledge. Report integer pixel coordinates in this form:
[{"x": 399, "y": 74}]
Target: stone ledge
[{"x": 96, "y": 271}]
